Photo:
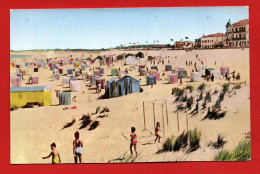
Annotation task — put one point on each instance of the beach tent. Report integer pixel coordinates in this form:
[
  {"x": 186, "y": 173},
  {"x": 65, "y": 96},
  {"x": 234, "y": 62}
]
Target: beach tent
[
  {"x": 207, "y": 71},
  {"x": 130, "y": 60},
  {"x": 128, "y": 85},
  {"x": 89, "y": 76},
  {"x": 35, "y": 79},
  {"x": 83, "y": 67},
  {"x": 74, "y": 85},
  {"x": 151, "y": 58},
  {"x": 35, "y": 70},
  {"x": 15, "y": 81},
  {"x": 60, "y": 71},
  {"x": 64, "y": 98},
  {"x": 202, "y": 69},
  {"x": 114, "y": 72},
  {"x": 97, "y": 72},
  {"x": 217, "y": 74},
  {"x": 151, "y": 79},
  {"x": 143, "y": 72},
  {"x": 157, "y": 74},
  {"x": 224, "y": 70},
  {"x": 168, "y": 67},
  {"x": 195, "y": 76},
  {"x": 182, "y": 73},
  {"x": 20, "y": 96},
  {"x": 102, "y": 82},
  {"x": 154, "y": 67},
  {"x": 101, "y": 70},
  {"x": 181, "y": 68},
  {"x": 72, "y": 79},
  {"x": 172, "y": 78},
  {"x": 141, "y": 67},
  {"x": 70, "y": 71},
  {"x": 93, "y": 79},
  {"x": 65, "y": 80}
]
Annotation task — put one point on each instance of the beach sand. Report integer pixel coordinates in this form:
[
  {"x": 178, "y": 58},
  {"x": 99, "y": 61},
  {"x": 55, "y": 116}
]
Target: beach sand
[{"x": 34, "y": 129}]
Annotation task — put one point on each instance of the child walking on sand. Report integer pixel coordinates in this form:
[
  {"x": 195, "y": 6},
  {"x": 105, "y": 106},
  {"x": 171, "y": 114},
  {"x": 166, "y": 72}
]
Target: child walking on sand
[
  {"x": 55, "y": 154},
  {"x": 133, "y": 140},
  {"x": 77, "y": 148},
  {"x": 157, "y": 129}
]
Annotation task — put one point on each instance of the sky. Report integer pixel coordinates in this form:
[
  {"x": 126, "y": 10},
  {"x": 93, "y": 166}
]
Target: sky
[{"x": 106, "y": 28}]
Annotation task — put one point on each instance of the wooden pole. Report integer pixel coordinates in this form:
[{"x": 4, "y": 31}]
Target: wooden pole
[
  {"x": 144, "y": 116},
  {"x": 153, "y": 117},
  {"x": 163, "y": 123},
  {"x": 187, "y": 119},
  {"x": 167, "y": 113},
  {"x": 178, "y": 119}
]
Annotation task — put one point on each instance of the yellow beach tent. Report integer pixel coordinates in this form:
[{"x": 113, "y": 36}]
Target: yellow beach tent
[{"x": 20, "y": 96}]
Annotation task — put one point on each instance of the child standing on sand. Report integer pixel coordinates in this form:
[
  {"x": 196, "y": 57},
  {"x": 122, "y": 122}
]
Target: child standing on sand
[
  {"x": 77, "y": 148},
  {"x": 55, "y": 154},
  {"x": 133, "y": 140},
  {"x": 157, "y": 129}
]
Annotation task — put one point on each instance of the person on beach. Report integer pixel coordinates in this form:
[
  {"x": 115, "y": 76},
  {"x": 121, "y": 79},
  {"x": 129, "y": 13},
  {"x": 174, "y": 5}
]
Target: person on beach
[
  {"x": 133, "y": 140},
  {"x": 55, "y": 154},
  {"x": 238, "y": 76},
  {"x": 77, "y": 148},
  {"x": 157, "y": 129},
  {"x": 212, "y": 77},
  {"x": 152, "y": 85},
  {"x": 99, "y": 87},
  {"x": 181, "y": 81}
]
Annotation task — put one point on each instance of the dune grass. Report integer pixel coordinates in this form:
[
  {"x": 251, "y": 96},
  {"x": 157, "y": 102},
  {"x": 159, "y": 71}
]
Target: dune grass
[
  {"x": 237, "y": 86},
  {"x": 201, "y": 87},
  {"x": 225, "y": 87},
  {"x": 194, "y": 140},
  {"x": 219, "y": 143},
  {"x": 168, "y": 144},
  {"x": 180, "y": 142},
  {"x": 242, "y": 152},
  {"x": 190, "y": 87}
]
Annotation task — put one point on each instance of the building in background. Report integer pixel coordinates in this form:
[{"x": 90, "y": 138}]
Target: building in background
[
  {"x": 179, "y": 44},
  {"x": 214, "y": 40},
  {"x": 238, "y": 33}
]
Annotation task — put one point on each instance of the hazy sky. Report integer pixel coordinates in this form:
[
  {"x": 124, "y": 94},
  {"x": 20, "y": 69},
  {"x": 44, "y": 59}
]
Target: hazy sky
[{"x": 104, "y": 28}]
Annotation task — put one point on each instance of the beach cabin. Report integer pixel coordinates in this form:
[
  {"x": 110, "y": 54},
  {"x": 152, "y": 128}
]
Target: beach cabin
[
  {"x": 182, "y": 73},
  {"x": 202, "y": 69},
  {"x": 64, "y": 98},
  {"x": 128, "y": 85},
  {"x": 207, "y": 71},
  {"x": 217, "y": 74},
  {"x": 15, "y": 81},
  {"x": 195, "y": 76},
  {"x": 157, "y": 74},
  {"x": 154, "y": 67},
  {"x": 21, "y": 96},
  {"x": 224, "y": 70},
  {"x": 114, "y": 72},
  {"x": 172, "y": 78},
  {"x": 97, "y": 72},
  {"x": 130, "y": 60},
  {"x": 168, "y": 67},
  {"x": 69, "y": 71},
  {"x": 143, "y": 72},
  {"x": 151, "y": 79},
  {"x": 75, "y": 86}
]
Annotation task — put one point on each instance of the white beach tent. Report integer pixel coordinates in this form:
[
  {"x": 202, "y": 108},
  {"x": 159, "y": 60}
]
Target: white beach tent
[
  {"x": 130, "y": 60},
  {"x": 195, "y": 76},
  {"x": 201, "y": 69},
  {"x": 217, "y": 74}
]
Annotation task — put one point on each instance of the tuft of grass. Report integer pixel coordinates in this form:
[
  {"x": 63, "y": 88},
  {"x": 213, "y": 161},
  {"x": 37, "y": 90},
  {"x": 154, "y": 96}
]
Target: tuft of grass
[
  {"x": 94, "y": 125},
  {"x": 208, "y": 96},
  {"x": 225, "y": 87},
  {"x": 97, "y": 109},
  {"x": 201, "y": 87},
  {"x": 85, "y": 121},
  {"x": 219, "y": 143},
  {"x": 190, "y": 87},
  {"x": 69, "y": 124},
  {"x": 168, "y": 144},
  {"x": 105, "y": 109},
  {"x": 181, "y": 142},
  {"x": 237, "y": 86},
  {"x": 242, "y": 152},
  {"x": 194, "y": 140}
]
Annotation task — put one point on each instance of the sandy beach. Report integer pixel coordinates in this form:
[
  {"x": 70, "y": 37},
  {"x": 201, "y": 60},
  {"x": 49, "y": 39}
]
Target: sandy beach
[{"x": 34, "y": 129}]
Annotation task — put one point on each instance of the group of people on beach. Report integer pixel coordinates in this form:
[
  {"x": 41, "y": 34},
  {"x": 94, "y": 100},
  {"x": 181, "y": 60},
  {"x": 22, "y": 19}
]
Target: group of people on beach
[
  {"x": 77, "y": 151},
  {"x": 133, "y": 138}
]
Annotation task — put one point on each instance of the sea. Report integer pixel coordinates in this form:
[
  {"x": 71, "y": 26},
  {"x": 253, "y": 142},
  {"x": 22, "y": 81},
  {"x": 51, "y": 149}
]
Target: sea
[{"x": 19, "y": 56}]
